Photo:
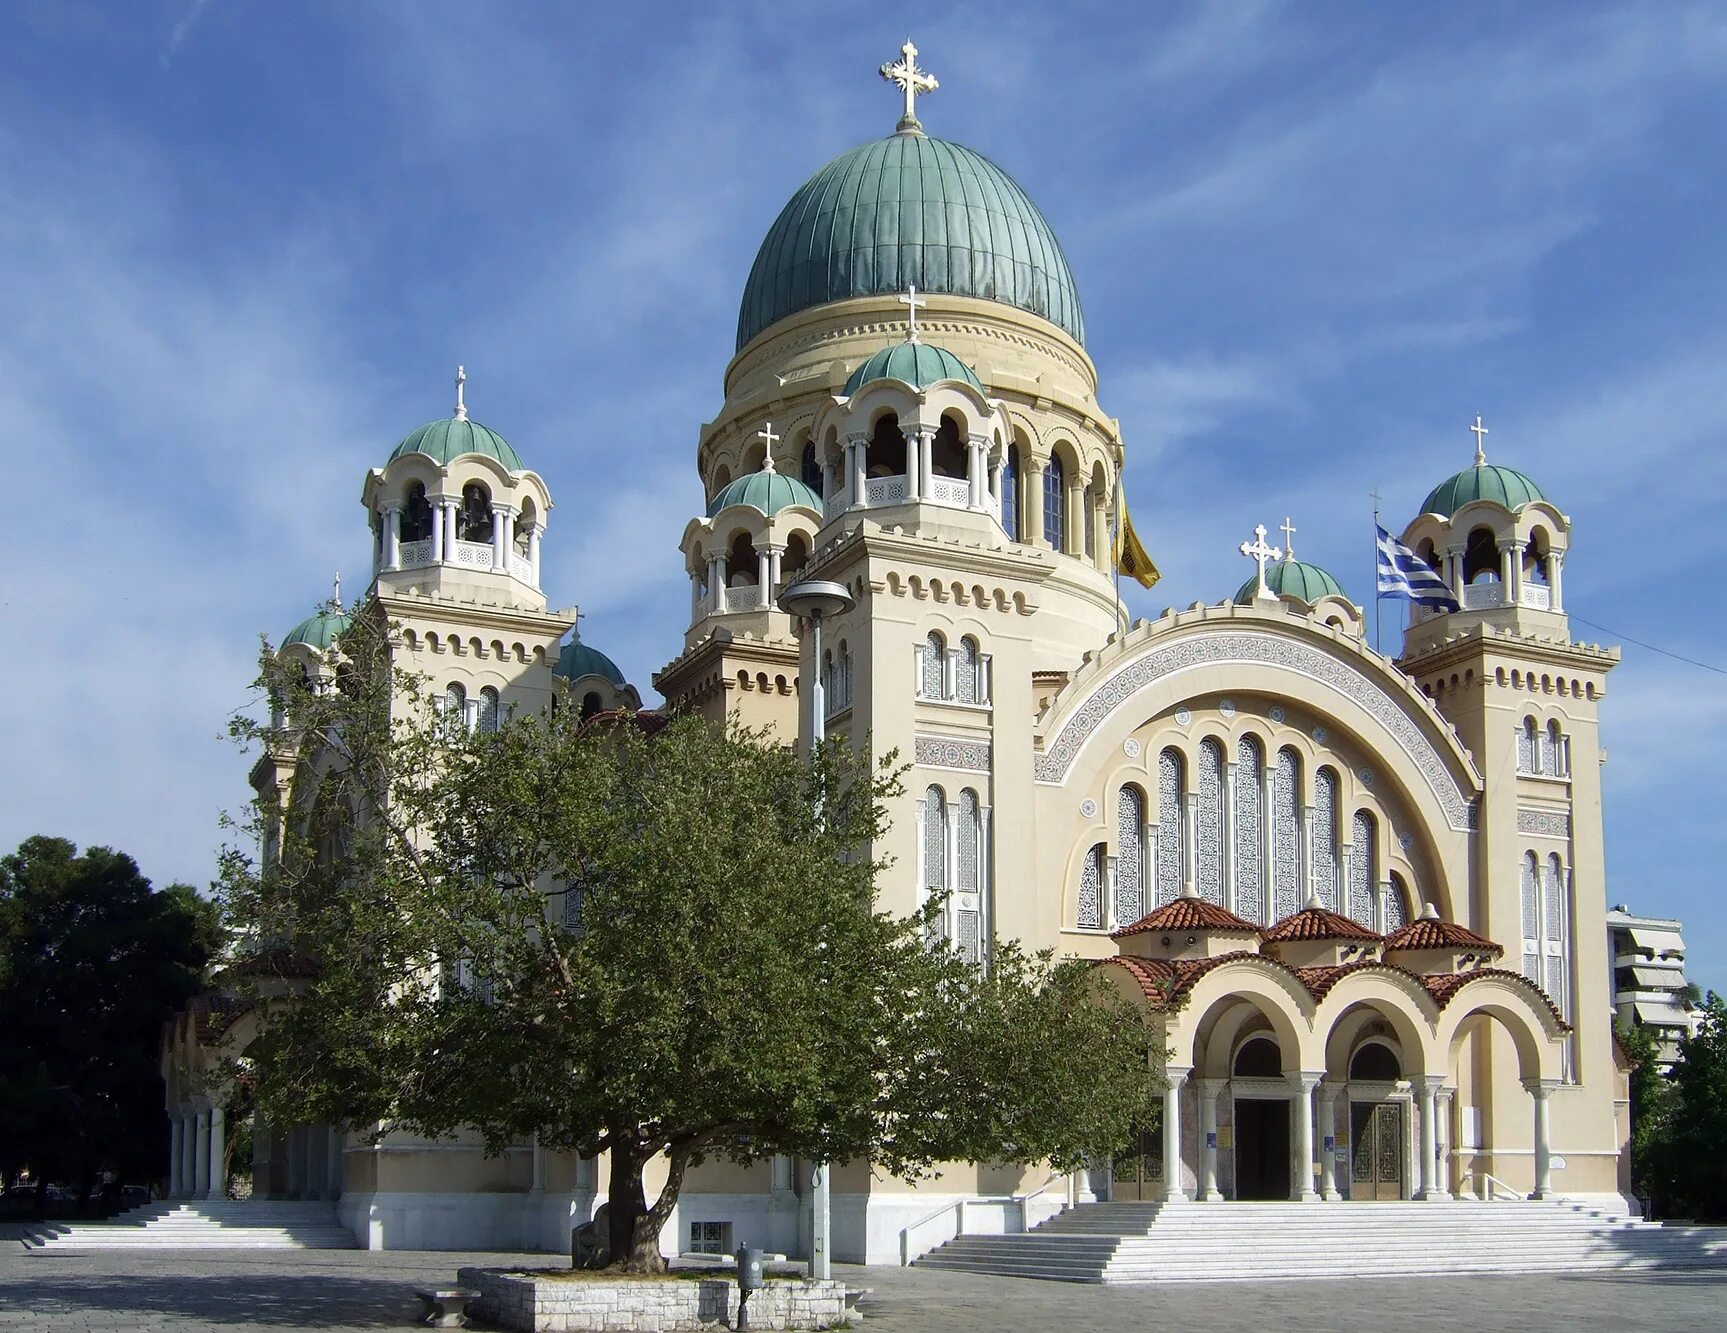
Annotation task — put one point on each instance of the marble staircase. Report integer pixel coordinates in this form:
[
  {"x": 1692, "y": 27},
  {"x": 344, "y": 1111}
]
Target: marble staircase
[{"x": 217, "y": 1224}]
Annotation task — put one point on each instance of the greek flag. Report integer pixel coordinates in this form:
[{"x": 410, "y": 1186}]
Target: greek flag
[{"x": 1402, "y": 573}]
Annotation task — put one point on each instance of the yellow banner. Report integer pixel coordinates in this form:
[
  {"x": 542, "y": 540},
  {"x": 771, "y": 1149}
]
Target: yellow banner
[{"x": 1130, "y": 556}]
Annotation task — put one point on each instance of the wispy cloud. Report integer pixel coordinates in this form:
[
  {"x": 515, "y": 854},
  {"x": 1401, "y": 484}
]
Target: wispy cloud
[{"x": 182, "y": 29}]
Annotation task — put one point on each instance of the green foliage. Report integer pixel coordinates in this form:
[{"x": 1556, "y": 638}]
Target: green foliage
[
  {"x": 92, "y": 962},
  {"x": 725, "y": 985},
  {"x": 1686, "y": 1148},
  {"x": 1650, "y": 1099}
]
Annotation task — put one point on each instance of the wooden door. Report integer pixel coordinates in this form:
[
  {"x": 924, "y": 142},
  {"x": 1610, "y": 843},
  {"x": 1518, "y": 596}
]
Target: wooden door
[
  {"x": 1376, "y": 1143},
  {"x": 1136, "y": 1174}
]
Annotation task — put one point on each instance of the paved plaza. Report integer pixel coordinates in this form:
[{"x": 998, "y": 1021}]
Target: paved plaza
[{"x": 246, "y": 1292}]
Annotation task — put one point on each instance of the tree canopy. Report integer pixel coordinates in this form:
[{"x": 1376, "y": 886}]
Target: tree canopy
[
  {"x": 92, "y": 962},
  {"x": 644, "y": 944},
  {"x": 1679, "y": 1124}
]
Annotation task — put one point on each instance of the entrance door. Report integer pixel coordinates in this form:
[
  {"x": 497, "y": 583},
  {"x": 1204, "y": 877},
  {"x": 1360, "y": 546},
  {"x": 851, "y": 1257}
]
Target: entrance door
[
  {"x": 1137, "y": 1169},
  {"x": 1261, "y": 1149},
  {"x": 1376, "y": 1138}
]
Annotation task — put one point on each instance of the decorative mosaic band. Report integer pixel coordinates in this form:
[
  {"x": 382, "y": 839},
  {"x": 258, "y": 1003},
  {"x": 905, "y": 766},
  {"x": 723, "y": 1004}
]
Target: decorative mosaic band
[
  {"x": 1543, "y": 823},
  {"x": 969, "y": 756}
]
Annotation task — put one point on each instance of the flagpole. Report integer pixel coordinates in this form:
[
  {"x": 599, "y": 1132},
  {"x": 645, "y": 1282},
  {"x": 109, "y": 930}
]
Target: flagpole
[{"x": 1375, "y": 583}]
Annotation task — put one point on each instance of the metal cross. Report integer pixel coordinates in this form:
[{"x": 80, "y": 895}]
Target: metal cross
[
  {"x": 1480, "y": 430},
  {"x": 911, "y": 301},
  {"x": 1257, "y": 551},
  {"x": 461, "y": 407},
  {"x": 911, "y": 80},
  {"x": 1288, "y": 539},
  {"x": 336, "y": 592},
  {"x": 767, "y": 436}
]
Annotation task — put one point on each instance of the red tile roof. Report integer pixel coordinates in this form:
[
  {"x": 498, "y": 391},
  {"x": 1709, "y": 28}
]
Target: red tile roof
[
  {"x": 1431, "y": 933},
  {"x": 1444, "y": 985},
  {"x": 1187, "y": 914},
  {"x": 1316, "y": 923}
]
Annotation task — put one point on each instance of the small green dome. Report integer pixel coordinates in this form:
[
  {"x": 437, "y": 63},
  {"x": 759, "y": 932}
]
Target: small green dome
[
  {"x": 1486, "y": 481},
  {"x": 320, "y": 629},
  {"x": 769, "y": 492},
  {"x": 917, "y": 364},
  {"x": 578, "y": 660},
  {"x": 909, "y": 211},
  {"x": 1293, "y": 578},
  {"x": 446, "y": 440}
]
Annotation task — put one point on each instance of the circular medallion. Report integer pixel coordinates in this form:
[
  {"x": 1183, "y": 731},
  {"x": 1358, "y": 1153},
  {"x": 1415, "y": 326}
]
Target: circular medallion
[
  {"x": 1366, "y": 776},
  {"x": 1276, "y": 714},
  {"x": 1405, "y": 841},
  {"x": 1088, "y": 808},
  {"x": 1130, "y": 748},
  {"x": 1226, "y": 707},
  {"x": 1321, "y": 735},
  {"x": 1182, "y": 717}
]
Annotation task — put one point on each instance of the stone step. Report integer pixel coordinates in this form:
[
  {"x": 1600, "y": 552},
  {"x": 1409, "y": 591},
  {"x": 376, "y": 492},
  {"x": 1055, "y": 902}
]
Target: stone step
[{"x": 216, "y": 1224}]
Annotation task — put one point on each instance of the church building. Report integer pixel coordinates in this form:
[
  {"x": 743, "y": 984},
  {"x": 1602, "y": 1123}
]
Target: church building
[{"x": 1359, "y": 895}]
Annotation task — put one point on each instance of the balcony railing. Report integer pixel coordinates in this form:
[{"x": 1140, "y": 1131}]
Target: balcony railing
[
  {"x": 1536, "y": 595},
  {"x": 952, "y": 491},
  {"x": 415, "y": 554},
  {"x": 1483, "y": 596},
  {"x": 884, "y": 491},
  {"x": 469, "y": 555},
  {"x": 743, "y": 599}
]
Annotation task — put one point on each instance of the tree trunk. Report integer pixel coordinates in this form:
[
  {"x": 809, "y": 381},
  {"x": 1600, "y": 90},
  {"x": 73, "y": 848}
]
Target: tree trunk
[{"x": 634, "y": 1230}]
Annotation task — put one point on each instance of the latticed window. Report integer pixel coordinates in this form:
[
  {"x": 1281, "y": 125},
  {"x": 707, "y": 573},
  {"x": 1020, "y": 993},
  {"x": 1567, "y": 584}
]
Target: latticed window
[
  {"x": 1054, "y": 498},
  {"x": 1208, "y": 823},
  {"x": 455, "y": 706},
  {"x": 1286, "y": 834},
  {"x": 1531, "y": 896},
  {"x": 934, "y": 840},
  {"x": 1091, "y": 890},
  {"x": 1363, "y": 867},
  {"x": 575, "y": 902},
  {"x": 1129, "y": 856},
  {"x": 968, "y": 915},
  {"x": 1555, "y": 759},
  {"x": 1249, "y": 830},
  {"x": 1553, "y": 931},
  {"x": 1169, "y": 825},
  {"x": 845, "y": 669},
  {"x": 966, "y": 672},
  {"x": 1010, "y": 493},
  {"x": 1526, "y": 748},
  {"x": 932, "y": 673},
  {"x": 488, "y": 715},
  {"x": 1324, "y": 869},
  {"x": 1396, "y": 903}
]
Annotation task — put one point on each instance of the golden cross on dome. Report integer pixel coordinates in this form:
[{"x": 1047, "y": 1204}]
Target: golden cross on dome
[
  {"x": 1257, "y": 551},
  {"x": 1480, "y": 431},
  {"x": 912, "y": 82},
  {"x": 911, "y": 301}
]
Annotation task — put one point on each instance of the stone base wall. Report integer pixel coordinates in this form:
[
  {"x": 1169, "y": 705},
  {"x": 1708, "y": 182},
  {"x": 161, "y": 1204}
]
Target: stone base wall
[{"x": 554, "y": 1305}]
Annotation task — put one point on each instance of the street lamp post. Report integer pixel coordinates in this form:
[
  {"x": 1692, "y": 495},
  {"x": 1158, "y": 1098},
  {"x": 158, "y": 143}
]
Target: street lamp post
[{"x": 812, "y": 599}]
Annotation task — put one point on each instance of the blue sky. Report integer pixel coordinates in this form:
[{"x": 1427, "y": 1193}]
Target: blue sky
[{"x": 243, "y": 246}]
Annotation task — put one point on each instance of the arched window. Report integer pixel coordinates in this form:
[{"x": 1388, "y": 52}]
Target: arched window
[
  {"x": 1481, "y": 557},
  {"x": 742, "y": 565},
  {"x": 1526, "y": 746},
  {"x": 1208, "y": 823},
  {"x": 1396, "y": 903},
  {"x": 1249, "y": 830},
  {"x": 1170, "y": 820},
  {"x": 417, "y": 515},
  {"x": 845, "y": 673},
  {"x": 1375, "y": 1062},
  {"x": 1553, "y": 757},
  {"x": 1129, "y": 856},
  {"x": 1553, "y": 932},
  {"x": 1531, "y": 903},
  {"x": 796, "y": 557},
  {"x": 884, "y": 456},
  {"x": 488, "y": 716},
  {"x": 474, "y": 523},
  {"x": 1091, "y": 889},
  {"x": 591, "y": 704},
  {"x": 812, "y": 469},
  {"x": 932, "y": 672},
  {"x": 1258, "y": 1058},
  {"x": 934, "y": 842},
  {"x": 1323, "y": 875},
  {"x": 1010, "y": 493},
  {"x": 1054, "y": 505},
  {"x": 968, "y": 913},
  {"x": 455, "y": 705},
  {"x": 947, "y": 456},
  {"x": 1363, "y": 866},
  {"x": 1286, "y": 834},
  {"x": 967, "y": 673}
]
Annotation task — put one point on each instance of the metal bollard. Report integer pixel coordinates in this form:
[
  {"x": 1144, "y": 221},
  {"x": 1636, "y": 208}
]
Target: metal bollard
[{"x": 749, "y": 1279}]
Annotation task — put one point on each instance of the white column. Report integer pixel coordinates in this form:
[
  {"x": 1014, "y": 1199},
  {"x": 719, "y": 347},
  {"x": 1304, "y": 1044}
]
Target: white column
[
  {"x": 1555, "y": 565},
  {"x": 1509, "y": 571},
  {"x": 1172, "y": 1190},
  {"x": 1328, "y": 1095},
  {"x": 451, "y": 509},
  {"x": 503, "y": 532},
  {"x": 859, "y": 447},
  {"x": 774, "y": 577},
  {"x": 392, "y": 519},
  {"x": 218, "y": 1167},
  {"x": 1031, "y": 521},
  {"x": 201, "y": 1154},
  {"x": 1227, "y": 822},
  {"x": 1539, "y": 1089},
  {"x": 1301, "y": 1124},
  {"x": 1444, "y": 1169},
  {"x": 926, "y": 461},
  {"x": 974, "y": 473},
  {"x": 176, "y": 1155},
  {"x": 764, "y": 574},
  {"x": 1189, "y": 847},
  {"x": 1454, "y": 571},
  {"x": 913, "y": 464},
  {"x": 717, "y": 582},
  {"x": 1209, "y": 1091},
  {"x": 439, "y": 532},
  {"x": 534, "y": 550},
  {"x": 997, "y": 470},
  {"x": 1304, "y": 871},
  {"x": 1428, "y": 1089}
]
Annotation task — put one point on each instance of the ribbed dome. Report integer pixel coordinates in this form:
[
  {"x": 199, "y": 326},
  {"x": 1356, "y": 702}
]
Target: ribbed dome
[
  {"x": 443, "y": 441},
  {"x": 578, "y": 660},
  {"x": 1486, "y": 482},
  {"x": 769, "y": 492},
  {"x": 320, "y": 629},
  {"x": 909, "y": 211},
  {"x": 1293, "y": 578},
  {"x": 917, "y": 364}
]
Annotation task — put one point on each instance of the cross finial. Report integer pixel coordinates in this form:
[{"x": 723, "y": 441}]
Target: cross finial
[
  {"x": 911, "y": 301},
  {"x": 767, "y": 436},
  {"x": 1480, "y": 433},
  {"x": 912, "y": 81},
  {"x": 336, "y": 593},
  {"x": 461, "y": 407},
  {"x": 1257, "y": 551},
  {"x": 1288, "y": 539}
]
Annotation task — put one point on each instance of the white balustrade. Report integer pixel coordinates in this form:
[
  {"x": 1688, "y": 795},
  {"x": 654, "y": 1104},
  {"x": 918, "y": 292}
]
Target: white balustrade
[
  {"x": 413, "y": 554},
  {"x": 522, "y": 567},
  {"x": 743, "y": 599},
  {"x": 884, "y": 491},
  {"x": 952, "y": 491},
  {"x": 1537, "y": 596},
  {"x": 1483, "y": 596},
  {"x": 474, "y": 555}
]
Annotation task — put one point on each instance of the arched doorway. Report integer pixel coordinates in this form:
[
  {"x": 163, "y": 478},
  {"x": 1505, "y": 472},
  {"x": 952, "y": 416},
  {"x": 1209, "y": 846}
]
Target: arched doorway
[
  {"x": 1378, "y": 1123},
  {"x": 1261, "y": 1119}
]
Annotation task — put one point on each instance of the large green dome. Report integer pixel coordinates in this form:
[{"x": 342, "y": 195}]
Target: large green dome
[
  {"x": 320, "y": 629},
  {"x": 917, "y": 364},
  {"x": 1293, "y": 578},
  {"x": 443, "y": 441},
  {"x": 1485, "y": 481},
  {"x": 769, "y": 492},
  {"x": 578, "y": 660},
  {"x": 909, "y": 211}
]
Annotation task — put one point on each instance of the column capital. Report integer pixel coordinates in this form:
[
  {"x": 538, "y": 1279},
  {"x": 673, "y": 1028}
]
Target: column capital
[
  {"x": 1539, "y": 1088},
  {"x": 1211, "y": 1087},
  {"x": 1177, "y": 1074},
  {"x": 1305, "y": 1080},
  {"x": 1430, "y": 1083}
]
